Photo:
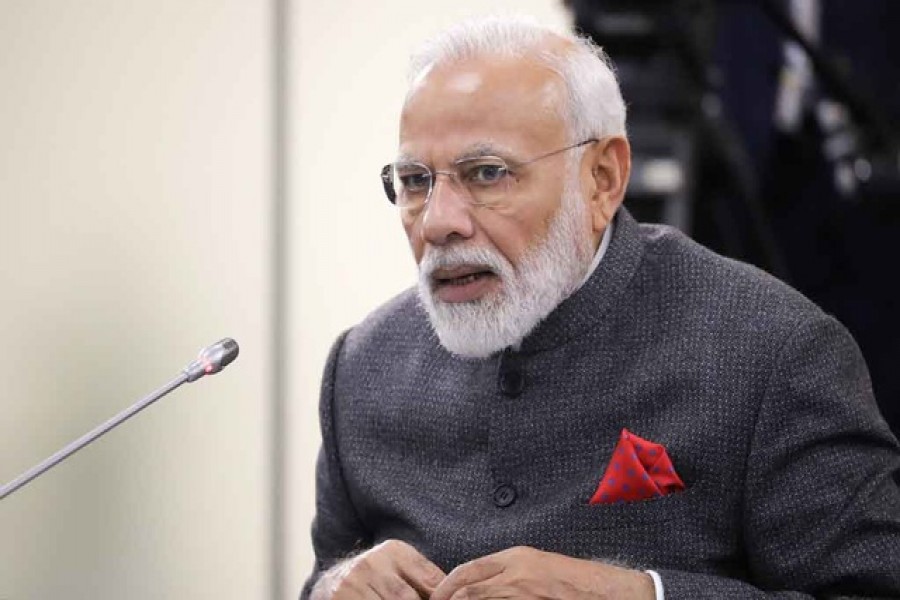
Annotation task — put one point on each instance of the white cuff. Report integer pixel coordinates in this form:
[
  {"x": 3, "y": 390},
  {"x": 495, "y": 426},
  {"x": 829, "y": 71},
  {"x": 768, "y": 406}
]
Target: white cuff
[{"x": 657, "y": 584}]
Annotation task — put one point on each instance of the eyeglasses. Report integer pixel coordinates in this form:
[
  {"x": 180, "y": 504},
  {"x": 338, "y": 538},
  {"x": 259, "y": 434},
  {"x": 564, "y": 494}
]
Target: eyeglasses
[{"x": 408, "y": 185}]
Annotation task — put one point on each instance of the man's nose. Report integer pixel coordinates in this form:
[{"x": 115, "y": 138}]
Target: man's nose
[{"x": 448, "y": 212}]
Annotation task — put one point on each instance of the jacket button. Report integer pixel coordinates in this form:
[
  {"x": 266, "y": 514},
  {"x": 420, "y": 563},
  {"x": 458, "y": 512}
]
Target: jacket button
[
  {"x": 512, "y": 382},
  {"x": 504, "y": 495}
]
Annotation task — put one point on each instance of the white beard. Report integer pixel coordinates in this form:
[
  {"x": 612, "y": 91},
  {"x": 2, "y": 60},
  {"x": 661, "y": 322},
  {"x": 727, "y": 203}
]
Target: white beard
[{"x": 547, "y": 274}]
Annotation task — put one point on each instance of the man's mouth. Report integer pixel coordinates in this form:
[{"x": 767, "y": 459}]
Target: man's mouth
[
  {"x": 463, "y": 283},
  {"x": 459, "y": 276}
]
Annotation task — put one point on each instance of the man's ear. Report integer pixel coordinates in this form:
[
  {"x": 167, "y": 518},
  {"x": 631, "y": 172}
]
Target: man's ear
[{"x": 605, "y": 169}]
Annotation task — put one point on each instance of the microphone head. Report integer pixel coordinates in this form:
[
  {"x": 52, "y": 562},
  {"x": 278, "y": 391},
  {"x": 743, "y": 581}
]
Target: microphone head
[
  {"x": 212, "y": 359},
  {"x": 221, "y": 354}
]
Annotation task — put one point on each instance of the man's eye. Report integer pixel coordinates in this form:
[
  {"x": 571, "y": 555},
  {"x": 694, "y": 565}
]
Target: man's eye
[
  {"x": 415, "y": 182},
  {"x": 485, "y": 174}
]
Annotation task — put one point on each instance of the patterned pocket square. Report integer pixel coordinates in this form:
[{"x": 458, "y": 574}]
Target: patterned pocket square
[{"x": 638, "y": 470}]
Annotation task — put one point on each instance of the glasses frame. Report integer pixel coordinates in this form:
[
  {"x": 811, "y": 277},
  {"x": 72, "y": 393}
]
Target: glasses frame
[{"x": 387, "y": 180}]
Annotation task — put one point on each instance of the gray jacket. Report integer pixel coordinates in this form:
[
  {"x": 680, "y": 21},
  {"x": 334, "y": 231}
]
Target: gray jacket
[{"x": 762, "y": 402}]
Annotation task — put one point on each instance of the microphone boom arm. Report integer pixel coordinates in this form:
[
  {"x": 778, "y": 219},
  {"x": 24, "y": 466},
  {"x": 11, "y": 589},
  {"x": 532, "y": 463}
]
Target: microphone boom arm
[{"x": 211, "y": 360}]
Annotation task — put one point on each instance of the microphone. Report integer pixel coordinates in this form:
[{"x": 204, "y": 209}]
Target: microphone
[{"x": 211, "y": 359}]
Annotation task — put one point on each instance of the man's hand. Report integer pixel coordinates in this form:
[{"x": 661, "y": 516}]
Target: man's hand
[
  {"x": 527, "y": 573},
  {"x": 390, "y": 570}
]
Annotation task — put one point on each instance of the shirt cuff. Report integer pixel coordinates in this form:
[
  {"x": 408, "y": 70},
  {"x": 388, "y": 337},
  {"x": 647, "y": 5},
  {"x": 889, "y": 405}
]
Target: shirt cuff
[{"x": 657, "y": 584}]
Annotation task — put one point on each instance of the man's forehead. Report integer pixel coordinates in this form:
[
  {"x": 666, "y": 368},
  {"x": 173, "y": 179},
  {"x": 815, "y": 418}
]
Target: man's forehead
[
  {"x": 463, "y": 77},
  {"x": 484, "y": 105},
  {"x": 488, "y": 74}
]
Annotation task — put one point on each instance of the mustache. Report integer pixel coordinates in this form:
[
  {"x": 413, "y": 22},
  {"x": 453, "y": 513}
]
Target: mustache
[{"x": 460, "y": 256}]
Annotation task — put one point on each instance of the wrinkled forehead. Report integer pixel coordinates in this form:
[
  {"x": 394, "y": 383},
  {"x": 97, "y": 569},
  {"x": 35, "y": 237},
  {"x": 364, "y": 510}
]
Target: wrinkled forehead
[{"x": 504, "y": 101}]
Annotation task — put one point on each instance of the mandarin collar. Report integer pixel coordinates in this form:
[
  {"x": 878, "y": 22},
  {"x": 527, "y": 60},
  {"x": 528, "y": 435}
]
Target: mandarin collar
[{"x": 589, "y": 305}]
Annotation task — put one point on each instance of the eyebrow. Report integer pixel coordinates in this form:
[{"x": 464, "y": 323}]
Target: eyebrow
[
  {"x": 476, "y": 150},
  {"x": 484, "y": 149}
]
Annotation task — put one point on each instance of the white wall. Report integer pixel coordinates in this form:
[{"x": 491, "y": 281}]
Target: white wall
[
  {"x": 135, "y": 226},
  {"x": 134, "y": 182}
]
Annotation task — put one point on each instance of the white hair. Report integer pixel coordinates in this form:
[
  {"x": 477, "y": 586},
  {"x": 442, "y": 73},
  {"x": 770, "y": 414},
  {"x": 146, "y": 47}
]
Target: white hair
[
  {"x": 595, "y": 105},
  {"x": 546, "y": 275}
]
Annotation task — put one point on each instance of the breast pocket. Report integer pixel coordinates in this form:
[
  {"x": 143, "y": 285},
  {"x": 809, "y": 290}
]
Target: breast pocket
[
  {"x": 673, "y": 506},
  {"x": 681, "y": 531}
]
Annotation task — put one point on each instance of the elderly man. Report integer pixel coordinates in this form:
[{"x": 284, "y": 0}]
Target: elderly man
[{"x": 573, "y": 405}]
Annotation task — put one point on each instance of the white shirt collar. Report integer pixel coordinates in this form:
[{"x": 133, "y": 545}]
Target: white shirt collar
[{"x": 604, "y": 244}]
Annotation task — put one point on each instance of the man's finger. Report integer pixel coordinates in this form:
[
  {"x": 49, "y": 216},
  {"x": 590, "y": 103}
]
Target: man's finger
[
  {"x": 352, "y": 588},
  {"x": 476, "y": 571},
  {"x": 391, "y": 586},
  {"x": 483, "y": 591},
  {"x": 425, "y": 579},
  {"x": 422, "y": 574}
]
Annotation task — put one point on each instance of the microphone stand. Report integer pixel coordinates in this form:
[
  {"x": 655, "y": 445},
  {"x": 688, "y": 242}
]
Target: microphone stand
[
  {"x": 89, "y": 437},
  {"x": 211, "y": 360}
]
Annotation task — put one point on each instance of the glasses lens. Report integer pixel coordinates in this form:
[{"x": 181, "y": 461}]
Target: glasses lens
[
  {"x": 486, "y": 178},
  {"x": 411, "y": 182}
]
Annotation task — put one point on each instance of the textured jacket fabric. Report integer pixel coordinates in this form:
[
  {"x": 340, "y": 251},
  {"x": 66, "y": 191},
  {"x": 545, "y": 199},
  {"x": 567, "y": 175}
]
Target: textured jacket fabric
[{"x": 761, "y": 400}]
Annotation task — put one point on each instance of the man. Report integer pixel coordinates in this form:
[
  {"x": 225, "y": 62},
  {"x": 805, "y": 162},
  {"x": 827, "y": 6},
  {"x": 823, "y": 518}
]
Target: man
[{"x": 474, "y": 430}]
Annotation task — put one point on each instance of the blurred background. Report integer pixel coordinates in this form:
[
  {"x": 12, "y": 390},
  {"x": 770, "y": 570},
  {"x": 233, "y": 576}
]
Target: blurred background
[{"x": 175, "y": 172}]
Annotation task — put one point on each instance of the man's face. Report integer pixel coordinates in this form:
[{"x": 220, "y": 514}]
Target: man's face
[
  {"x": 505, "y": 107},
  {"x": 480, "y": 265}
]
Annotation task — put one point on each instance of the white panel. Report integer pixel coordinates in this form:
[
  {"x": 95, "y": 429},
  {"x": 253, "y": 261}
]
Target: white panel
[
  {"x": 134, "y": 188},
  {"x": 349, "y": 253}
]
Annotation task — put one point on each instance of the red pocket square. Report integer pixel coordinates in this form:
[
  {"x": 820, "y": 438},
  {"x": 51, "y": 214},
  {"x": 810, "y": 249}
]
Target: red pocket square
[{"x": 638, "y": 470}]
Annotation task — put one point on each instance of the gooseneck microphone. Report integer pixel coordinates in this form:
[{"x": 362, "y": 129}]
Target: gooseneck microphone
[{"x": 211, "y": 359}]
